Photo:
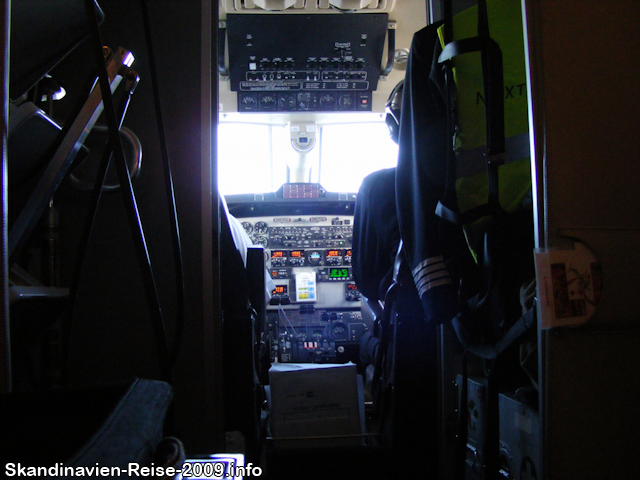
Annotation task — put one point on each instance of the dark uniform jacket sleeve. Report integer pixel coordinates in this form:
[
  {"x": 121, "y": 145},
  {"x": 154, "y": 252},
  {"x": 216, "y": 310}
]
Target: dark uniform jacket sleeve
[{"x": 421, "y": 176}]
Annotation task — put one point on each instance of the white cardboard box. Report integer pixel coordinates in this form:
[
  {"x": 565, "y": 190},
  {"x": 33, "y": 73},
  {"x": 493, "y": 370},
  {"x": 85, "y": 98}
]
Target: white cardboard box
[{"x": 316, "y": 400}]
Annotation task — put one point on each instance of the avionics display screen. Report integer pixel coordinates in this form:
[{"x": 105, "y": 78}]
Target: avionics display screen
[
  {"x": 280, "y": 290},
  {"x": 334, "y": 253},
  {"x": 278, "y": 254},
  {"x": 339, "y": 273},
  {"x": 296, "y": 253}
]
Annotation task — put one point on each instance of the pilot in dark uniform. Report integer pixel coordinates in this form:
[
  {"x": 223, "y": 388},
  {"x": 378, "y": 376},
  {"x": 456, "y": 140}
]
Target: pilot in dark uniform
[{"x": 375, "y": 234}]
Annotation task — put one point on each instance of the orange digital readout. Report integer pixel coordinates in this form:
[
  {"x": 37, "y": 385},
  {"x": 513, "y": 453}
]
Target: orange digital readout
[
  {"x": 334, "y": 253},
  {"x": 296, "y": 253}
]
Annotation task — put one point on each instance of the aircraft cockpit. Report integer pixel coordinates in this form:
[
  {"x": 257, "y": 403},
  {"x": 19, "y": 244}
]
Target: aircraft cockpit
[
  {"x": 320, "y": 239},
  {"x": 306, "y": 230},
  {"x": 302, "y": 121}
]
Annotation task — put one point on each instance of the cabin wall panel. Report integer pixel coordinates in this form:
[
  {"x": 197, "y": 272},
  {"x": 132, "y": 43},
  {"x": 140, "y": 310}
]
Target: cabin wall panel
[{"x": 585, "y": 115}]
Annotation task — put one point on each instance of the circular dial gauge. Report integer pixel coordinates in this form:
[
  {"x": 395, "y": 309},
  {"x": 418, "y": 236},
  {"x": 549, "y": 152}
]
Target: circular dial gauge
[
  {"x": 247, "y": 227},
  {"x": 287, "y": 101},
  {"x": 315, "y": 257},
  {"x": 327, "y": 101},
  {"x": 249, "y": 102},
  {"x": 268, "y": 102},
  {"x": 345, "y": 101},
  {"x": 261, "y": 240},
  {"x": 260, "y": 228}
]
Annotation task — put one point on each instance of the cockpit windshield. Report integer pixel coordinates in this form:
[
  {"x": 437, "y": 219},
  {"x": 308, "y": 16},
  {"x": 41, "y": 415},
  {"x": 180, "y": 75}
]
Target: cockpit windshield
[{"x": 257, "y": 158}]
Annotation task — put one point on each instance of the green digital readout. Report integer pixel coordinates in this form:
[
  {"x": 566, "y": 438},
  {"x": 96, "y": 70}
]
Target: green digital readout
[{"x": 339, "y": 273}]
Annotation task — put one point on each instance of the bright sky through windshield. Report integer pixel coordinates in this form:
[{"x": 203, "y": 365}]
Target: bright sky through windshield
[{"x": 252, "y": 158}]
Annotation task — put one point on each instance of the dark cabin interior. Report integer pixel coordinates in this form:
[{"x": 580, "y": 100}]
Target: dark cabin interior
[{"x": 90, "y": 327}]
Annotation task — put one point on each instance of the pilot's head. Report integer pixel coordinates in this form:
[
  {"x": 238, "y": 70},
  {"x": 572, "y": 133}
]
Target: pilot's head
[{"x": 392, "y": 108}]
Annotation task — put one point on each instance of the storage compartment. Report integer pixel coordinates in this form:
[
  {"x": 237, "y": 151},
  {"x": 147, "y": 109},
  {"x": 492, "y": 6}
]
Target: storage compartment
[{"x": 316, "y": 405}]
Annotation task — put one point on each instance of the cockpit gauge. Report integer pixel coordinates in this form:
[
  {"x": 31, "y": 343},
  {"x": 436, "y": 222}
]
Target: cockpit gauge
[
  {"x": 268, "y": 102},
  {"x": 314, "y": 257},
  {"x": 334, "y": 257},
  {"x": 346, "y": 101},
  {"x": 296, "y": 258},
  {"x": 261, "y": 240},
  {"x": 327, "y": 101},
  {"x": 348, "y": 255},
  {"x": 260, "y": 228},
  {"x": 307, "y": 101},
  {"x": 278, "y": 258},
  {"x": 247, "y": 227},
  {"x": 249, "y": 102},
  {"x": 286, "y": 101},
  {"x": 339, "y": 331},
  {"x": 351, "y": 294}
]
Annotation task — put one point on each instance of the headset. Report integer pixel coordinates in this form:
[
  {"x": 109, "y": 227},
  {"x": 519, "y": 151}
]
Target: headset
[{"x": 392, "y": 107}]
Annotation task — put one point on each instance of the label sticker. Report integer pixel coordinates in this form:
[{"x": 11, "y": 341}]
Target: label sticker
[{"x": 306, "y": 287}]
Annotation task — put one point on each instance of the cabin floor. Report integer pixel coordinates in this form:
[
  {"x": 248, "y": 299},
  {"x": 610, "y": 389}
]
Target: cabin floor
[{"x": 372, "y": 461}]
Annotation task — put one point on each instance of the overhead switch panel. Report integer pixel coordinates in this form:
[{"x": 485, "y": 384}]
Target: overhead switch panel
[{"x": 289, "y": 62}]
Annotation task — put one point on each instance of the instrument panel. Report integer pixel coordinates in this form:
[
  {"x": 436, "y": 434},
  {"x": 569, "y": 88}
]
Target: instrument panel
[
  {"x": 308, "y": 257},
  {"x": 314, "y": 313}
]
